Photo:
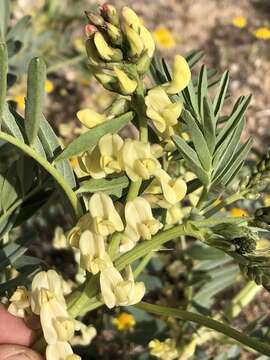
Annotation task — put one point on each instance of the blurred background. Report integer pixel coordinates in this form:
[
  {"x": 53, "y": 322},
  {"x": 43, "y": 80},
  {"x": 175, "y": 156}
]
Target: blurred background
[{"x": 233, "y": 35}]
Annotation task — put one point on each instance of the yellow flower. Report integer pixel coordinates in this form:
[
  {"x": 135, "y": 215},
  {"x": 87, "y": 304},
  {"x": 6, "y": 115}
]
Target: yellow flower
[
  {"x": 140, "y": 223},
  {"x": 60, "y": 351},
  {"x": 239, "y": 22},
  {"x": 180, "y": 77},
  {"x": 119, "y": 290},
  {"x": 266, "y": 200},
  {"x": 137, "y": 160},
  {"x": 237, "y": 212},
  {"x": 87, "y": 334},
  {"x": 75, "y": 233},
  {"x": 124, "y": 321},
  {"x": 164, "y": 37},
  {"x": 49, "y": 87},
  {"x": 105, "y": 219},
  {"x": 90, "y": 118},
  {"x": 173, "y": 190},
  {"x": 262, "y": 33},
  {"x": 165, "y": 350},
  {"x": 59, "y": 240},
  {"x": 126, "y": 85},
  {"x": 78, "y": 44},
  {"x": 19, "y": 302},
  {"x": 104, "y": 158},
  {"x": 20, "y": 100},
  {"x": 93, "y": 254},
  {"x": 161, "y": 110}
]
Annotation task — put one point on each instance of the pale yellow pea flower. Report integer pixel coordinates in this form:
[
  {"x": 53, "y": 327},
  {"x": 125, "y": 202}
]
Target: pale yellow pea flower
[
  {"x": 137, "y": 160},
  {"x": 93, "y": 254},
  {"x": 105, "y": 219},
  {"x": 103, "y": 159},
  {"x": 50, "y": 281},
  {"x": 90, "y": 118},
  {"x": 119, "y": 290},
  {"x": 173, "y": 190},
  {"x": 75, "y": 233},
  {"x": 19, "y": 302},
  {"x": 180, "y": 77},
  {"x": 161, "y": 110},
  {"x": 60, "y": 351},
  {"x": 164, "y": 350},
  {"x": 59, "y": 239},
  {"x": 126, "y": 85},
  {"x": 140, "y": 223},
  {"x": 87, "y": 334},
  {"x": 175, "y": 214},
  {"x": 55, "y": 321}
]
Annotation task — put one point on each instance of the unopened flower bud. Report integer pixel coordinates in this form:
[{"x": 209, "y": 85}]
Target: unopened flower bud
[
  {"x": 90, "y": 30},
  {"x": 109, "y": 13},
  {"x": 92, "y": 52},
  {"x": 130, "y": 17},
  {"x": 94, "y": 19},
  {"x": 114, "y": 34},
  {"x": 105, "y": 51},
  {"x": 126, "y": 85},
  {"x": 134, "y": 40},
  {"x": 107, "y": 81},
  {"x": 119, "y": 107},
  {"x": 143, "y": 63}
]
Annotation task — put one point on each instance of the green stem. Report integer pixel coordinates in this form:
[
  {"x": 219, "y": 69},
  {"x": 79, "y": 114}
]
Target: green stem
[
  {"x": 114, "y": 245},
  {"x": 134, "y": 189},
  {"x": 251, "y": 342},
  {"x": 228, "y": 201},
  {"x": 143, "y": 263},
  {"x": 3, "y": 77},
  {"x": 50, "y": 169}
]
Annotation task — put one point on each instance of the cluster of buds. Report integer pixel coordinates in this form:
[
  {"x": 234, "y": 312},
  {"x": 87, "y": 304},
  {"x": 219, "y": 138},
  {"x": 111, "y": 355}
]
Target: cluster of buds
[
  {"x": 259, "y": 180},
  {"x": 119, "y": 48},
  {"x": 46, "y": 300}
]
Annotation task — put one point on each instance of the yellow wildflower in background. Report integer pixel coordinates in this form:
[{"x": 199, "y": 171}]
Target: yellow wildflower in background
[
  {"x": 20, "y": 100},
  {"x": 49, "y": 86},
  {"x": 164, "y": 37},
  {"x": 124, "y": 321},
  {"x": 238, "y": 212},
  {"x": 165, "y": 350},
  {"x": 262, "y": 33},
  {"x": 239, "y": 22}
]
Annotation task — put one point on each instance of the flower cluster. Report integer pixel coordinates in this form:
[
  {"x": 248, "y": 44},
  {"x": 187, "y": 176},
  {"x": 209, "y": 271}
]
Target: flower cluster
[{"x": 46, "y": 300}]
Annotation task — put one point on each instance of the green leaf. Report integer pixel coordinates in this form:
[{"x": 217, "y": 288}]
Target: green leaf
[
  {"x": 221, "y": 93},
  {"x": 236, "y": 116},
  {"x": 202, "y": 89},
  {"x": 3, "y": 78},
  {"x": 198, "y": 140},
  {"x": 12, "y": 251},
  {"x": 10, "y": 188},
  {"x": 191, "y": 99},
  {"x": 209, "y": 126},
  {"x": 193, "y": 57},
  {"x": 18, "y": 29},
  {"x": 192, "y": 159},
  {"x": 35, "y": 95},
  {"x": 4, "y": 18},
  {"x": 234, "y": 163},
  {"x": 52, "y": 148},
  {"x": 104, "y": 185},
  {"x": 87, "y": 140},
  {"x": 228, "y": 148}
]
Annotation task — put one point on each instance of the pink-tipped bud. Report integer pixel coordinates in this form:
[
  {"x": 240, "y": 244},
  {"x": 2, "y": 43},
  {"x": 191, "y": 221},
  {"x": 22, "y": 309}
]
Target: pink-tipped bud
[
  {"x": 109, "y": 13},
  {"x": 90, "y": 30}
]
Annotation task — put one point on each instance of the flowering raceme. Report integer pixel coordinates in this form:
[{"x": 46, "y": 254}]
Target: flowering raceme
[{"x": 46, "y": 299}]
